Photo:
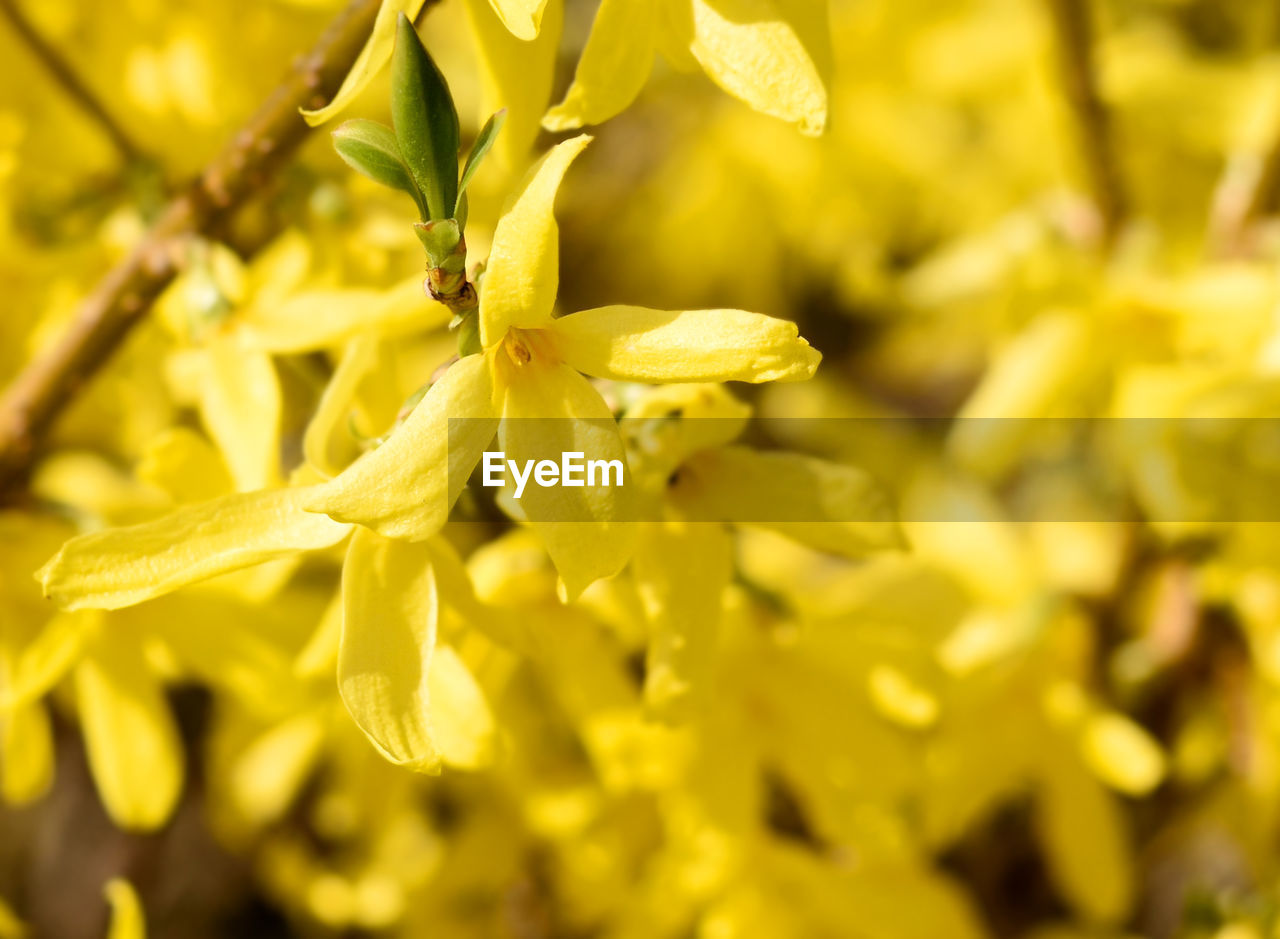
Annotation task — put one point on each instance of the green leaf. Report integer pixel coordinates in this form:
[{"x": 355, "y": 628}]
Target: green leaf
[
  {"x": 441, "y": 239},
  {"x": 460, "y": 213},
  {"x": 426, "y": 122},
  {"x": 370, "y": 148},
  {"x": 484, "y": 142}
]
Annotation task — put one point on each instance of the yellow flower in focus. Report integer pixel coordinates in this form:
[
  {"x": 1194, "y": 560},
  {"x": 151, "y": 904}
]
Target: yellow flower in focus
[{"x": 529, "y": 370}]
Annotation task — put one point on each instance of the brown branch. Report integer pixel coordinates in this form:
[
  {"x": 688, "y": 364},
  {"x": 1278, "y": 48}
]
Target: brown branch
[
  {"x": 263, "y": 145},
  {"x": 1247, "y": 191},
  {"x": 1073, "y": 28},
  {"x": 69, "y": 81}
]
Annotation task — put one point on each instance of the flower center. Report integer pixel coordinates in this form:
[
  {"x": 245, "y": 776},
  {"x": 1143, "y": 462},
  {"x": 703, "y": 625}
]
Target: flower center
[{"x": 525, "y": 346}]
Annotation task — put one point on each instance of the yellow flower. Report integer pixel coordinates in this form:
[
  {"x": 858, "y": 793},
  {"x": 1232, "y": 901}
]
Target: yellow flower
[
  {"x": 529, "y": 369},
  {"x": 236, "y": 319},
  {"x": 772, "y": 54},
  {"x": 679, "y": 436}
]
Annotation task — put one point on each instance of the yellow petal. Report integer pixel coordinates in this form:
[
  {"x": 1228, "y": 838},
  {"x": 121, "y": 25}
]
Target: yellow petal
[
  {"x": 26, "y": 741},
  {"x": 669, "y": 423},
  {"x": 127, "y": 918},
  {"x": 10, "y": 926},
  {"x": 522, "y": 17},
  {"x": 374, "y": 55},
  {"x": 388, "y": 636},
  {"x": 320, "y": 319},
  {"x": 1122, "y": 754},
  {"x": 329, "y": 443},
  {"x": 523, "y": 275},
  {"x": 1085, "y": 841},
  {"x": 47, "y": 658},
  {"x": 681, "y": 570},
  {"x": 548, "y": 411},
  {"x": 1032, "y": 377},
  {"x": 515, "y": 75},
  {"x": 614, "y": 66},
  {"x": 268, "y": 773},
  {"x": 631, "y": 343},
  {"x": 319, "y": 657},
  {"x": 772, "y": 54},
  {"x": 461, "y": 721},
  {"x": 240, "y": 404},
  {"x": 826, "y": 505},
  {"x": 122, "y": 566},
  {"x": 26, "y": 754},
  {"x": 460, "y": 602},
  {"x": 134, "y": 751},
  {"x": 406, "y": 487}
]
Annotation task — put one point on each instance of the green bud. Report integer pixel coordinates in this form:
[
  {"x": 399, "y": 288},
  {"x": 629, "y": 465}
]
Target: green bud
[{"x": 426, "y": 123}]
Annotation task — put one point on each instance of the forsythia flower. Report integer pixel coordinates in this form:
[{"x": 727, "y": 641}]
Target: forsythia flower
[
  {"x": 529, "y": 370},
  {"x": 772, "y": 54},
  {"x": 679, "y": 437}
]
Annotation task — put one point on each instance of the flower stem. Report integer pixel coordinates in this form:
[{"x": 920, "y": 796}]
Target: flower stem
[
  {"x": 62, "y": 72},
  {"x": 1073, "y": 28}
]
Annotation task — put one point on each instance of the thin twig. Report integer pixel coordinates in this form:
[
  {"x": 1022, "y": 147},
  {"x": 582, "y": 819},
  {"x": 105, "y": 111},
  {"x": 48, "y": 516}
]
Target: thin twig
[
  {"x": 69, "y": 81},
  {"x": 1247, "y": 191},
  {"x": 1073, "y": 28},
  {"x": 263, "y": 145}
]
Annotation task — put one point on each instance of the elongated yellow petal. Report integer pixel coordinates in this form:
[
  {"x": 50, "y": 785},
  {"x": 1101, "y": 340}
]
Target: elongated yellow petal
[
  {"x": 522, "y": 17},
  {"x": 319, "y": 656},
  {"x": 614, "y": 66},
  {"x": 1086, "y": 841},
  {"x": 47, "y": 658},
  {"x": 26, "y": 754},
  {"x": 631, "y": 343},
  {"x": 1122, "y": 754},
  {"x": 329, "y": 443},
  {"x": 122, "y": 566},
  {"x": 10, "y": 926},
  {"x": 134, "y": 751},
  {"x": 406, "y": 487},
  {"x": 827, "y": 505},
  {"x": 388, "y": 637},
  {"x": 26, "y": 739},
  {"x": 266, "y": 775},
  {"x": 550, "y": 410},
  {"x": 681, "y": 570},
  {"x": 461, "y": 720},
  {"x": 524, "y": 265},
  {"x": 240, "y": 404},
  {"x": 465, "y": 609},
  {"x": 772, "y": 54},
  {"x": 372, "y": 58},
  {"x": 516, "y": 75},
  {"x": 320, "y": 319},
  {"x": 127, "y": 918}
]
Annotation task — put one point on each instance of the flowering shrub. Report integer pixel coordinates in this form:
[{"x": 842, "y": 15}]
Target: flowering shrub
[{"x": 859, "y": 521}]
